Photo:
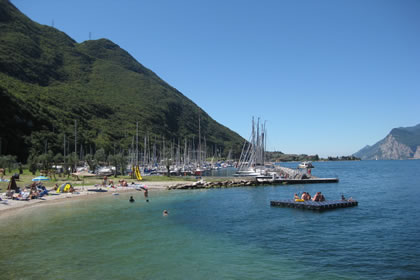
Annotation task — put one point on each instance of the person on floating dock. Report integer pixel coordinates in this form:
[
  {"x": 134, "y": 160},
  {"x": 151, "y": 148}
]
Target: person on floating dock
[
  {"x": 296, "y": 196},
  {"x": 318, "y": 197},
  {"x": 306, "y": 196}
]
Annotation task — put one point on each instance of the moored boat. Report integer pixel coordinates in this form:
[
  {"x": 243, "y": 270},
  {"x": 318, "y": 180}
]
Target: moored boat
[{"x": 305, "y": 164}]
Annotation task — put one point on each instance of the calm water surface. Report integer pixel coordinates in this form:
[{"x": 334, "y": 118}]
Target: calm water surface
[{"x": 228, "y": 233}]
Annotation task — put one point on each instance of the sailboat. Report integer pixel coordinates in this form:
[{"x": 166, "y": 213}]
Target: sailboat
[{"x": 252, "y": 154}]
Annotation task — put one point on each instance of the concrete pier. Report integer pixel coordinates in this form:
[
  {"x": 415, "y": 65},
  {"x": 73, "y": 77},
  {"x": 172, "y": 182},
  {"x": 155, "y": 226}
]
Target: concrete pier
[{"x": 306, "y": 181}]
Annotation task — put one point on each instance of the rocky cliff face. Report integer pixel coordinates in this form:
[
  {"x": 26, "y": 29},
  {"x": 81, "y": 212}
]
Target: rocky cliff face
[
  {"x": 400, "y": 143},
  {"x": 417, "y": 153},
  {"x": 392, "y": 149}
]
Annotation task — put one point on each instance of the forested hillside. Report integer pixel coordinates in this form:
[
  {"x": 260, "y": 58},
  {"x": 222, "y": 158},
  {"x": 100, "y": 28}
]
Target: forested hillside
[{"x": 49, "y": 82}]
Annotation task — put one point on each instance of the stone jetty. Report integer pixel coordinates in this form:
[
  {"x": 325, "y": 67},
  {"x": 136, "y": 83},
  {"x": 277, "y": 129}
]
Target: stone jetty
[{"x": 247, "y": 183}]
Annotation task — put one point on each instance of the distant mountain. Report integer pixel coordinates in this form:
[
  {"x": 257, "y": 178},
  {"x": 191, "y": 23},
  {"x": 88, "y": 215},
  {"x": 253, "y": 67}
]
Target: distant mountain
[
  {"x": 48, "y": 81},
  {"x": 400, "y": 143}
]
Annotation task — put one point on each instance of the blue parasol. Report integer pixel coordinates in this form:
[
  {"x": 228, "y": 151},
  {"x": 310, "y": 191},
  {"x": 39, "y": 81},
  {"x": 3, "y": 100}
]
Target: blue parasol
[{"x": 41, "y": 178}]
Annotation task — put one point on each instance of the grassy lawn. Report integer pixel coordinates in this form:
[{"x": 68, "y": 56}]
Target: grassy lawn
[{"x": 26, "y": 179}]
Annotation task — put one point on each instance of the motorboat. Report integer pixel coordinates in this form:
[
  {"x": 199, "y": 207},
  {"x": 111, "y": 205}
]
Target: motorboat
[
  {"x": 305, "y": 165},
  {"x": 248, "y": 173},
  {"x": 269, "y": 177}
]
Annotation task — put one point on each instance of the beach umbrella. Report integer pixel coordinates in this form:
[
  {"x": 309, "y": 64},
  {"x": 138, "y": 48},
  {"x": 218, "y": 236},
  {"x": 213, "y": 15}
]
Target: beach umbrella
[{"x": 40, "y": 178}]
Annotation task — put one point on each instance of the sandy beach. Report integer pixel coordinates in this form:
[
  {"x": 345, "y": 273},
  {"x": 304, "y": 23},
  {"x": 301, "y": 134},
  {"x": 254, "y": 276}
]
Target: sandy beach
[{"x": 9, "y": 206}]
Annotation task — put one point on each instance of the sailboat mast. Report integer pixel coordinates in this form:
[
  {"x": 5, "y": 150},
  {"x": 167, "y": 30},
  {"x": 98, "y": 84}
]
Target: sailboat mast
[
  {"x": 137, "y": 144},
  {"x": 199, "y": 141}
]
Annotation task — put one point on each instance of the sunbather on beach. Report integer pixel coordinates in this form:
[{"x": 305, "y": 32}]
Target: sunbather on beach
[
  {"x": 123, "y": 183},
  {"x": 33, "y": 194},
  {"x": 43, "y": 192},
  {"x": 23, "y": 195}
]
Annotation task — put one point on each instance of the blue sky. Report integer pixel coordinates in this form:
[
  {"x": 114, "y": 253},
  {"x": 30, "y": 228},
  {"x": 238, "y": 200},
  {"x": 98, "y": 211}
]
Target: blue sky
[{"x": 329, "y": 77}]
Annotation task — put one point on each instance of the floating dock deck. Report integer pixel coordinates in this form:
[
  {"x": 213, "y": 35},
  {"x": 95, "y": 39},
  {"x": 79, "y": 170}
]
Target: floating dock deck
[{"x": 314, "y": 205}]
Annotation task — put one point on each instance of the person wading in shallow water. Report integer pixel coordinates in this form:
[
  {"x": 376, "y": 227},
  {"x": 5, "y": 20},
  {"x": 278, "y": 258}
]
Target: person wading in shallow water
[{"x": 131, "y": 199}]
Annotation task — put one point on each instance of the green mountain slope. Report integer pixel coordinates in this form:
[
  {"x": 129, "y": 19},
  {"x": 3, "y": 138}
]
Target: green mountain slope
[{"x": 47, "y": 81}]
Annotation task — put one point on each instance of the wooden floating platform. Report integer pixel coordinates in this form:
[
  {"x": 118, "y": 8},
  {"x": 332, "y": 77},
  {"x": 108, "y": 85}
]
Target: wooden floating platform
[
  {"x": 314, "y": 205},
  {"x": 306, "y": 181}
]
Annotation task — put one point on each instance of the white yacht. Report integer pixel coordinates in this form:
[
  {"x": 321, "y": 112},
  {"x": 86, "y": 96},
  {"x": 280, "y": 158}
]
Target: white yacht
[{"x": 305, "y": 164}]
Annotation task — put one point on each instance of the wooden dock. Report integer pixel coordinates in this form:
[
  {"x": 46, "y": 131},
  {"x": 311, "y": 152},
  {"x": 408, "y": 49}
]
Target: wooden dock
[{"x": 314, "y": 205}]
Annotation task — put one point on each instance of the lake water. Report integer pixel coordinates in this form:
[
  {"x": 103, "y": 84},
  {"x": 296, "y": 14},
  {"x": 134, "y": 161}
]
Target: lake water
[{"x": 228, "y": 233}]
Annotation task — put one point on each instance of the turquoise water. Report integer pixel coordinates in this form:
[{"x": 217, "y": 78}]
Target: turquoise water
[{"x": 228, "y": 233}]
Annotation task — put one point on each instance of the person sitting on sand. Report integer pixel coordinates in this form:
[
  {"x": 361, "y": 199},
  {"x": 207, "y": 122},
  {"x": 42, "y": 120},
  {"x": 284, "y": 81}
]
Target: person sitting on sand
[
  {"x": 23, "y": 195},
  {"x": 42, "y": 191},
  {"x": 34, "y": 194}
]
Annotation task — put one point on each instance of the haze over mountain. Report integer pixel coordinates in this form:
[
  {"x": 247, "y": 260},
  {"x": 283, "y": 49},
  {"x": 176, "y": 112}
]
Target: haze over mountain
[
  {"x": 400, "y": 143},
  {"x": 48, "y": 80}
]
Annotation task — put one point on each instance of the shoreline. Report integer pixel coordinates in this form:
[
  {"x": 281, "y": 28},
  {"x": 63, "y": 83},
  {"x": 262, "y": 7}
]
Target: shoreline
[{"x": 11, "y": 207}]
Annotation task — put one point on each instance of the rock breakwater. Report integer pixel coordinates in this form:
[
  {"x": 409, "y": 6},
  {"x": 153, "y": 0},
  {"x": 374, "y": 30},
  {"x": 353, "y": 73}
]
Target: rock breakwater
[{"x": 212, "y": 185}]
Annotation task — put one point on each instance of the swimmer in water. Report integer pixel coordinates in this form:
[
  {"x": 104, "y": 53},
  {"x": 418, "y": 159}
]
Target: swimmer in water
[
  {"x": 131, "y": 199},
  {"x": 165, "y": 213}
]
